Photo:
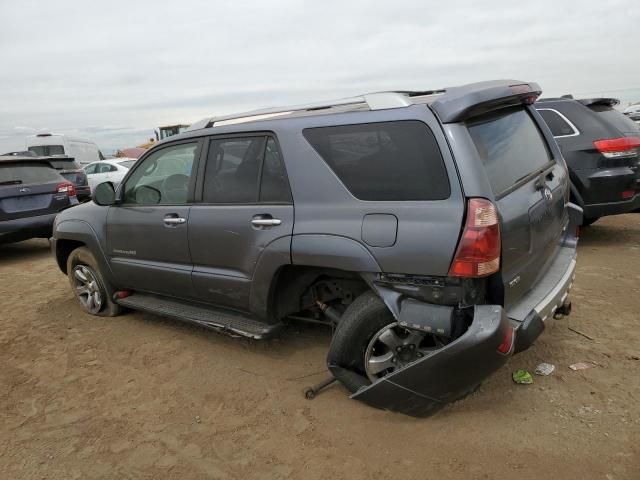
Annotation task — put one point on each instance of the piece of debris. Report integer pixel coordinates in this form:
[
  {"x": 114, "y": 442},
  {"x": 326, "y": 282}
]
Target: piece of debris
[
  {"x": 522, "y": 377},
  {"x": 545, "y": 369},
  {"x": 581, "y": 366},
  {"x": 633, "y": 357},
  {"x": 583, "y": 334}
]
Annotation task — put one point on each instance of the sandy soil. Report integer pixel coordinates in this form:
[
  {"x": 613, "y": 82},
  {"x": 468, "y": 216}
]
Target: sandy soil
[{"x": 140, "y": 397}]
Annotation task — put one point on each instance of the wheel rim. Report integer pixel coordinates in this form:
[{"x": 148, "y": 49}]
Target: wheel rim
[
  {"x": 87, "y": 288},
  {"x": 394, "y": 347}
]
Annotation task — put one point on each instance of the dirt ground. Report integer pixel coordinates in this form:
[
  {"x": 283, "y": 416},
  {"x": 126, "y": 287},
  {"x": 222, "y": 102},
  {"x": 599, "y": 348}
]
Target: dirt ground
[{"x": 140, "y": 397}]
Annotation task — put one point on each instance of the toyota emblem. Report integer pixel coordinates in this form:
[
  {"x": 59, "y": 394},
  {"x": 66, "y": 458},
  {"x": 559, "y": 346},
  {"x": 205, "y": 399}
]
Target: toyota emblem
[{"x": 547, "y": 194}]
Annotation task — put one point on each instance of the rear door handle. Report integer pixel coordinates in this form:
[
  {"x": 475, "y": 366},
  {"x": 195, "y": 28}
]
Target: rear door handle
[
  {"x": 265, "y": 222},
  {"x": 174, "y": 220}
]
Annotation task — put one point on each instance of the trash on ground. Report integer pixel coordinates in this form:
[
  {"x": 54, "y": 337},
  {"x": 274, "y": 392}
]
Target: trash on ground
[
  {"x": 581, "y": 366},
  {"x": 522, "y": 376},
  {"x": 545, "y": 369}
]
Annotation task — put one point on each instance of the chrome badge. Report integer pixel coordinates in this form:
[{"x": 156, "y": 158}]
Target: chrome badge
[
  {"x": 25, "y": 190},
  {"x": 547, "y": 194}
]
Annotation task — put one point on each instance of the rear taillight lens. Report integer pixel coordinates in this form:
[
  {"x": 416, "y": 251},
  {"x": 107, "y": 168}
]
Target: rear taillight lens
[
  {"x": 66, "y": 187},
  {"x": 478, "y": 253},
  {"x": 618, "y": 147}
]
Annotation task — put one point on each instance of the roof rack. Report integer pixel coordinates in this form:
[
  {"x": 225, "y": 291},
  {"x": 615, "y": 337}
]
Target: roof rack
[{"x": 371, "y": 101}]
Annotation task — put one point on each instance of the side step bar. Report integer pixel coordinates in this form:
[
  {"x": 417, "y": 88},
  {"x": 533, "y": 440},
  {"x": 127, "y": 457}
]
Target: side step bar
[{"x": 222, "y": 321}]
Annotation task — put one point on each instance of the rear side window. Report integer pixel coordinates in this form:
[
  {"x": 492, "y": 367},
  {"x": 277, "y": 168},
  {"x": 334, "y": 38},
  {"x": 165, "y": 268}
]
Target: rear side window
[
  {"x": 559, "y": 126},
  {"x": 615, "y": 118},
  {"x": 386, "y": 161},
  {"x": 510, "y": 146},
  {"x": 46, "y": 150},
  {"x": 21, "y": 173}
]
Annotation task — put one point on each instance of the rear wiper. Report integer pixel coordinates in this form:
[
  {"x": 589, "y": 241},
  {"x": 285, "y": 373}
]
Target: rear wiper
[{"x": 11, "y": 182}]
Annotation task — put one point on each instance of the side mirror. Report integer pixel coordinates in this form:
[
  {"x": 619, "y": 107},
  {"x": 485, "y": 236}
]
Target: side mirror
[{"x": 104, "y": 194}]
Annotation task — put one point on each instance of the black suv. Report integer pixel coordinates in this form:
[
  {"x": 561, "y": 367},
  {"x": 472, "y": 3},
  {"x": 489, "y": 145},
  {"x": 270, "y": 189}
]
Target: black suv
[
  {"x": 602, "y": 149},
  {"x": 32, "y": 192},
  {"x": 72, "y": 171},
  {"x": 432, "y": 230}
]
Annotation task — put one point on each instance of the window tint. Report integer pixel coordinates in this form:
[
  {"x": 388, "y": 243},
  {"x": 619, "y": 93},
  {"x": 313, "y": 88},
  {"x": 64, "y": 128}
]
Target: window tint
[
  {"x": 558, "y": 125},
  {"x": 46, "y": 150},
  {"x": 22, "y": 173},
  {"x": 384, "y": 161},
  {"x": 274, "y": 186},
  {"x": 233, "y": 170},
  {"x": 615, "y": 118},
  {"x": 91, "y": 169},
  {"x": 163, "y": 177},
  {"x": 510, "y": 146},
  {"x": 105, "y": 168}
]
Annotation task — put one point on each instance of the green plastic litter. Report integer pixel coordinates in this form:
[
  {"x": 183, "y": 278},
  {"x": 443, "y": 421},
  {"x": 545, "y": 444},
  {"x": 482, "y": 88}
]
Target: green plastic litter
[{"x": 522, "y": 376}]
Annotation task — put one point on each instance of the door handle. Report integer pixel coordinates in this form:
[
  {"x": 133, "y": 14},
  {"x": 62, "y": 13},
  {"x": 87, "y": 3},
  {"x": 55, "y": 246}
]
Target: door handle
[
  {"x": 265, "y": 222},
  {"x": 174, "y": 220}
]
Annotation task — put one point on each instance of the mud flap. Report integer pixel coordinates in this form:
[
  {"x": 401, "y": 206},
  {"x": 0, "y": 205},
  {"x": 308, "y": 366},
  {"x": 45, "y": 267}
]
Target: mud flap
[{"x": 448, "y": 374}]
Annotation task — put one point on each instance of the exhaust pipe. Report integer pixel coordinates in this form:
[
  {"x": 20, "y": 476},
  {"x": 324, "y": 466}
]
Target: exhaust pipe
[{"x": 564, "y": 310}]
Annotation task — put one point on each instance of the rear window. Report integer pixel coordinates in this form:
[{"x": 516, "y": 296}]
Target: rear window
[
  {"x": 46, "y": 150},
  {"x": 615, "y": 118},
  {"x": 559, "y": 126},
  {"x": 386, "y": 161},
  {"x": 510, "y": 146},
  {"x": 64, "y": 164},
  {"x": 23, "y": 173}
]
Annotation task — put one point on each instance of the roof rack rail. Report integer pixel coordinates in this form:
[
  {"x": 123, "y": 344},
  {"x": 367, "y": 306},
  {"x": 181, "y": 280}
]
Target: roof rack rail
[{"x": 372, "y": 101}]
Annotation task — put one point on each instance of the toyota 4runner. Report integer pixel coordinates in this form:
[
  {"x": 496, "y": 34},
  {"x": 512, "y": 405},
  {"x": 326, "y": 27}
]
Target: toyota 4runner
[{"x": 432, "y": 230}]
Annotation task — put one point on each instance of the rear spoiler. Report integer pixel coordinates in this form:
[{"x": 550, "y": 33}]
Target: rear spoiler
[
  {"x": 460, "y": 103},
  {"x": 609, "y": 102}
]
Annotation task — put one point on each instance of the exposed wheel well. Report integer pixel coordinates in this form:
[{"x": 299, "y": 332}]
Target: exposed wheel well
[
  {"x": 296, "y": 288},
  {"x": 63, "y": 250}
]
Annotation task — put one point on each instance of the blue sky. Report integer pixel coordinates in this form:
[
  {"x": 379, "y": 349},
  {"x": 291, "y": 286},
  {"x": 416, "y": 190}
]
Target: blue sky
[{"x": 112, "y": 71}]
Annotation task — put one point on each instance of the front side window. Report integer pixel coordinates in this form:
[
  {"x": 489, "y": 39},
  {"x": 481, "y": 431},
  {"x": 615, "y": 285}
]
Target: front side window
[
  {"x": 386, "y": 161},
  {"x": 510, "y": 146},
  {"x": 163, "y": 177}
]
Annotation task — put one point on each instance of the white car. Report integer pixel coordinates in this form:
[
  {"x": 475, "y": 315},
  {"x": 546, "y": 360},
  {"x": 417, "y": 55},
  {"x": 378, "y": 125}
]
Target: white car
[{"x": 112, "y": 170}]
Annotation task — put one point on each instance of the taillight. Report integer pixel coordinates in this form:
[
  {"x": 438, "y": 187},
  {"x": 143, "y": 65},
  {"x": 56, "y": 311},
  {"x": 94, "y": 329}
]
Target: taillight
[
  {"x": 478, "y": 253},
  {"x": 626, "y": 194},
  {"x": 68, "y": 188},
  {"x": 618, "y": 147}
]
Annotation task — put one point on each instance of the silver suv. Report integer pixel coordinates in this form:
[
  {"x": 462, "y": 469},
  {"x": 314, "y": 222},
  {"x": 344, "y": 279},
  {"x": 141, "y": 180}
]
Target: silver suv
[{"x": 432, "y": 230}]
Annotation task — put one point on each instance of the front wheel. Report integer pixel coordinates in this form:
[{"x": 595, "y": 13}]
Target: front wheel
[
  {"x": 369, "y": 344},
  {"x": 89, "y": 285}
]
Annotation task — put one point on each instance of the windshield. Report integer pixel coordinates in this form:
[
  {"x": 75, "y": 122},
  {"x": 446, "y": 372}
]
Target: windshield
[{"x": 127, "y": 163}]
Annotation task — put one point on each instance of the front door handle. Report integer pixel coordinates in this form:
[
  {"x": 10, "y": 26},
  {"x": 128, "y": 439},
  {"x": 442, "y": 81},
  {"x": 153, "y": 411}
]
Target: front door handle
[
  {"x": 265, "y": 222},
  {"x": 174, "y": 220}
]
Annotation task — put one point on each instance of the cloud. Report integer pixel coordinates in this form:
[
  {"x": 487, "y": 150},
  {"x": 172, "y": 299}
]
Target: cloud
[{"x": 69, "y": 66}]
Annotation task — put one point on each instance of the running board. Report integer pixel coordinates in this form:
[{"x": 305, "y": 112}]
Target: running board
[{"x": 222, "y": 321}]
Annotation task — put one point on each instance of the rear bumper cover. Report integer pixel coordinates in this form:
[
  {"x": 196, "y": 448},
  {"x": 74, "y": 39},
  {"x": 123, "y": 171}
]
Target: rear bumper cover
[
  {"x": 27, "y": 227},
  {"x": 446, "y": 375},
  {"x": 612, "y": 208}
]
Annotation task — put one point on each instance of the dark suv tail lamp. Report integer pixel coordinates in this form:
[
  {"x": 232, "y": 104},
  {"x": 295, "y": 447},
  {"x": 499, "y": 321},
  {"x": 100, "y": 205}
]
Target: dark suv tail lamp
[
  {"x": 478, "y": 253},
  {"x": 618, "y": 147},
  {"x": 66, "y": 187}
]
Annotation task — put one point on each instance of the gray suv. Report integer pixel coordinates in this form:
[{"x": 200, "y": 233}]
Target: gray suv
[{"x": 432, "y": 230}]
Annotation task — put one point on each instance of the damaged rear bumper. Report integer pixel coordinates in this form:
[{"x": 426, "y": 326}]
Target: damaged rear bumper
[{"x": 448, "y": 374}]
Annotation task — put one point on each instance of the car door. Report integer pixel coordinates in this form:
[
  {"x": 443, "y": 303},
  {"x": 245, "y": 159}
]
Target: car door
[
  {"x": 244, "y": 207},
  {"x": 147, "y": 228}
]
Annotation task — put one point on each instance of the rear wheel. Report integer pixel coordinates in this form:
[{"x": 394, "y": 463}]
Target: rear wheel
[
  {"x": 88, "y": 284},
  {"x": 369, "y": 344}
]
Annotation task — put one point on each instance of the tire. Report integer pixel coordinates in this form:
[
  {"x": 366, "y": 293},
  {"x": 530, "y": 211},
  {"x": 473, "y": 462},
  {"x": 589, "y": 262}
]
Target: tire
[
  {"x": 359, "y": 323},
  {"x": 588, "y": 221},
  {"x": 82, "y": 264}
]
